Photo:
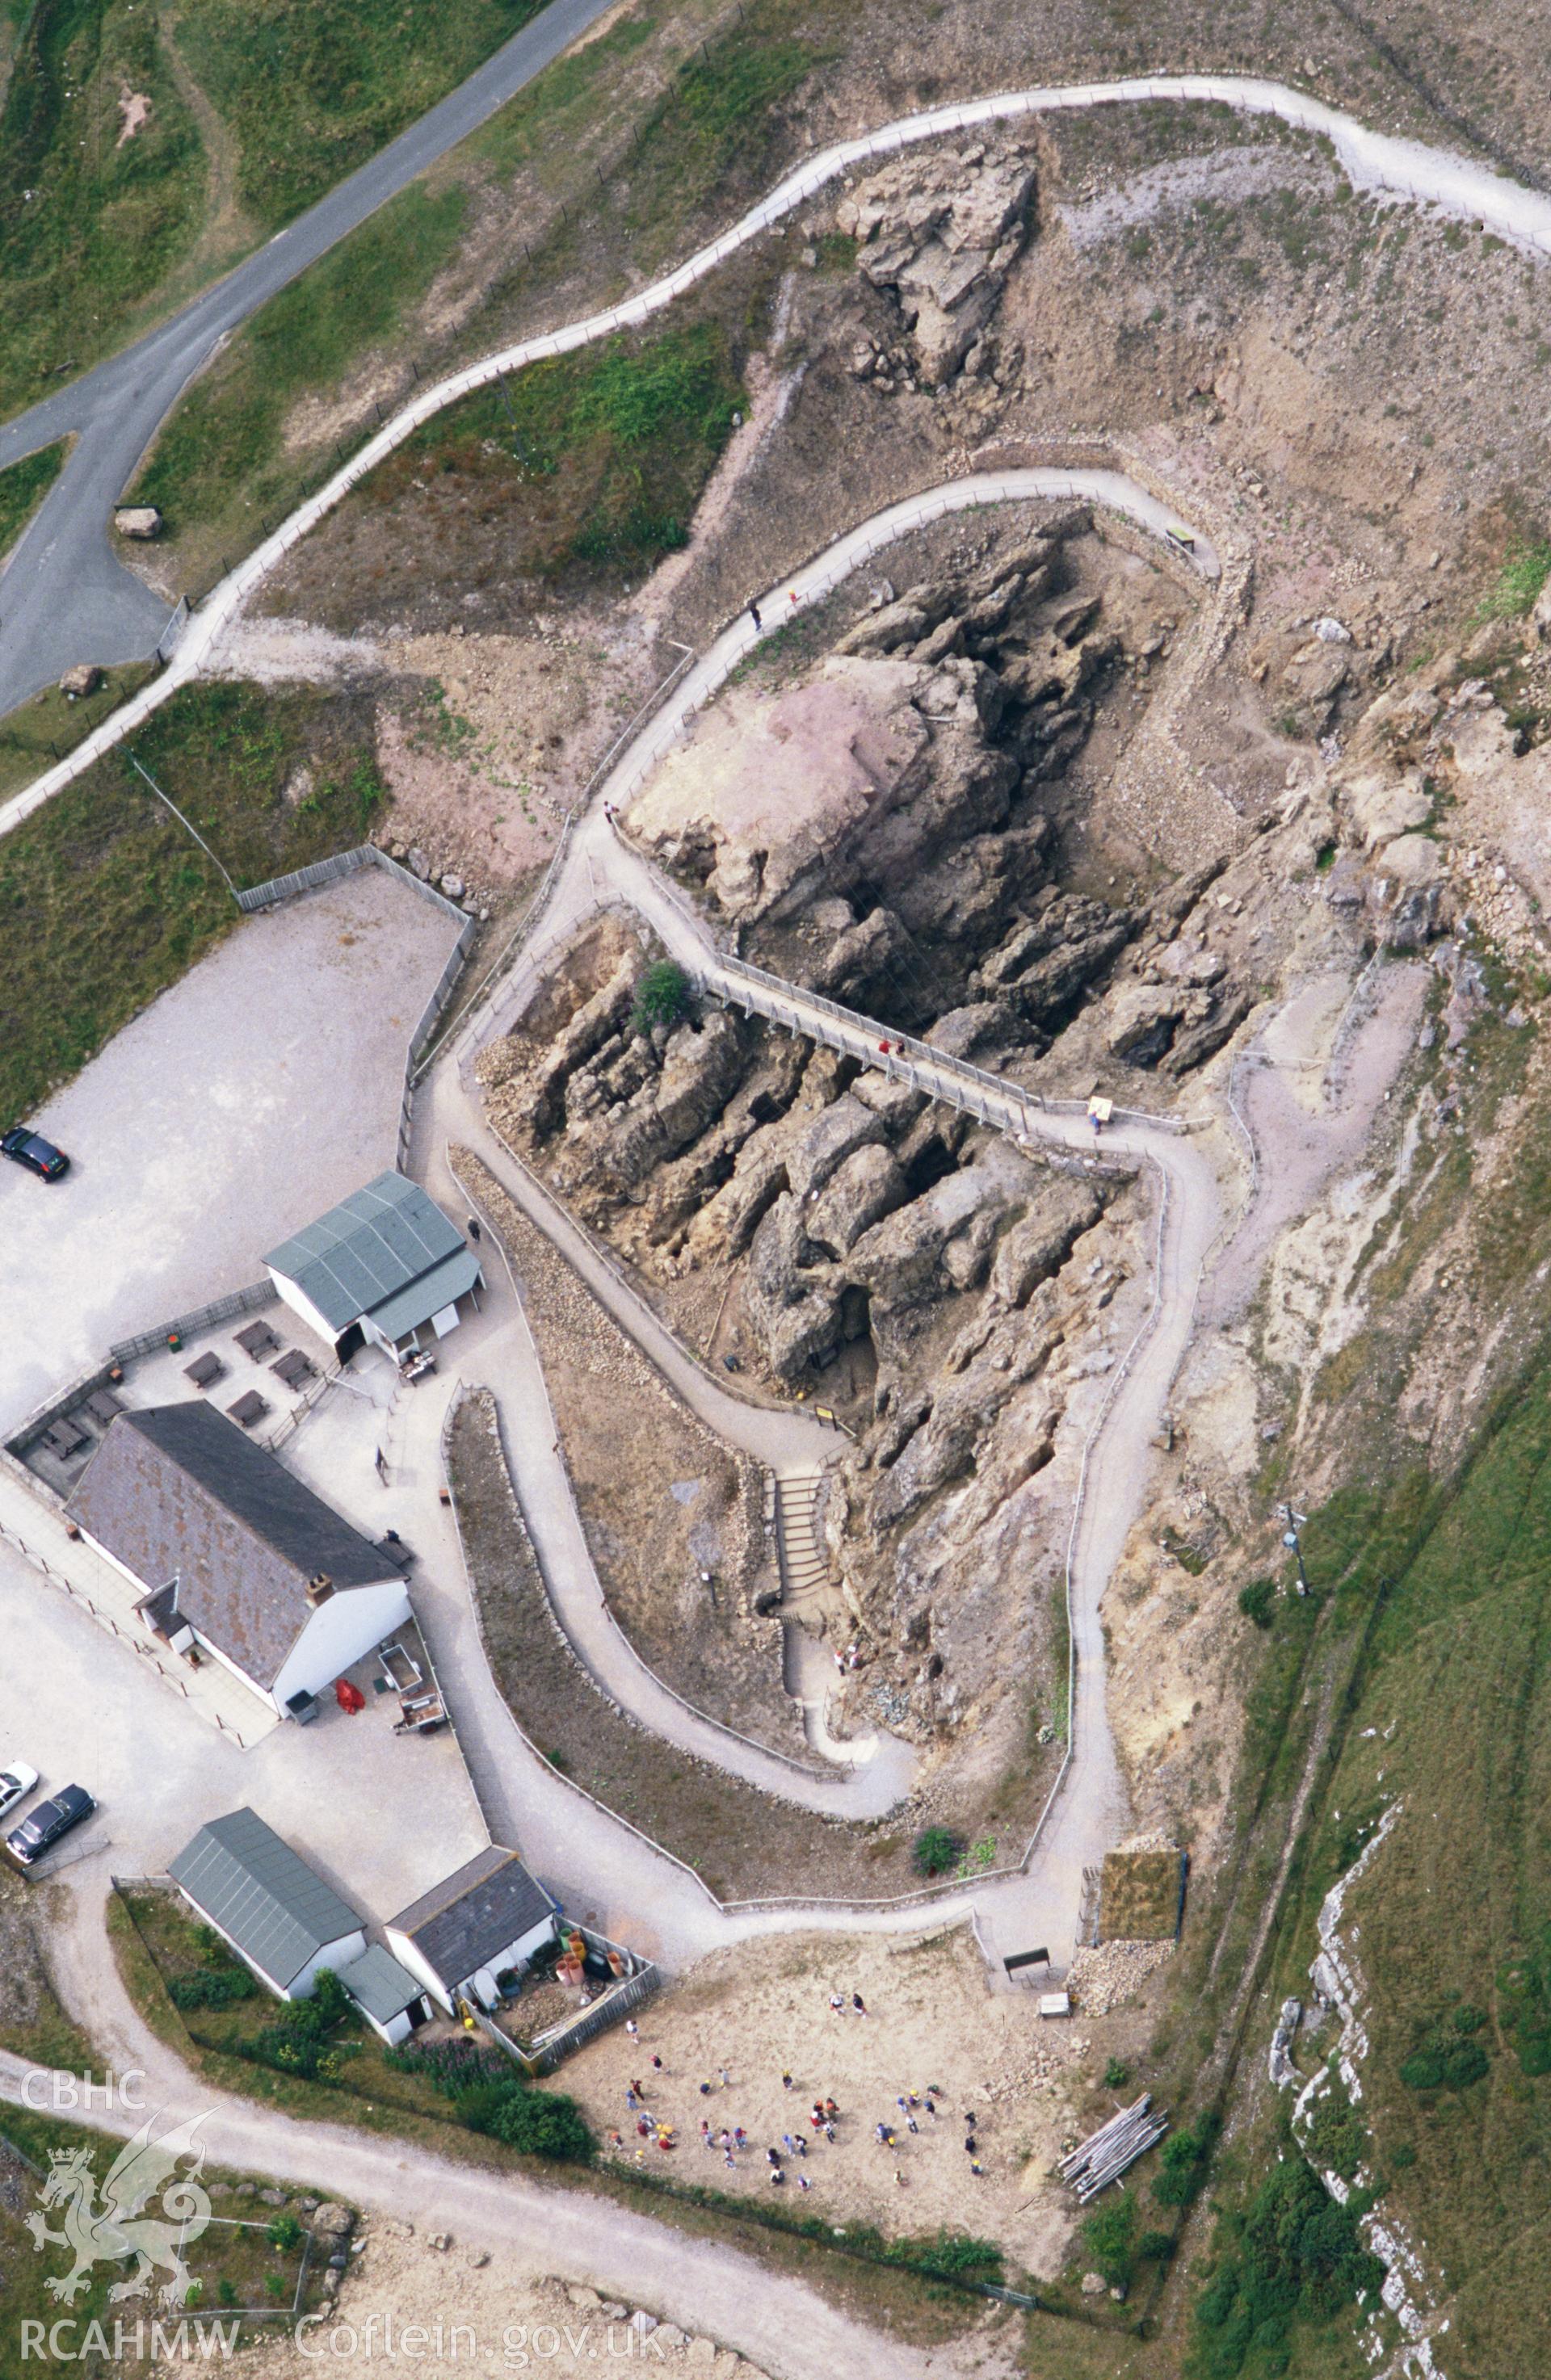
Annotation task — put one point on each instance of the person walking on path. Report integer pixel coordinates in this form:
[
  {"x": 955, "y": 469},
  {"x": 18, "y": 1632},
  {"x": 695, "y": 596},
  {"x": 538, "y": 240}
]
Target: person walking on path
[
  {"x": 656, "y": 2063},
  {"x": 475, "y": 1228},
  {"x": 787, "y": 2083},
  {"x": 789, "y": 2143},
  {"x": 772, "y": 2158},
  {"x": 754, "y": 615},
  {"x": 639, "y": 2090},
  {"x": 829, "y": 2134},
  {"x": 632, "y": 2028},
  {"x": 837, "y": 2004},
  {"x": 739, "y": 2136},
  {"x": 803, "y": 2182},
  {"x": 801, "y": 2147},
  {"x": 705, "y": 2090},
  {"x": 730, "y": 2162},
  {"x": 859, "y": 2004},
  {"x": 726, "y": 2078},
  {"x": 830, "y": 2109},
  {"x": 630, "y": 2100}
]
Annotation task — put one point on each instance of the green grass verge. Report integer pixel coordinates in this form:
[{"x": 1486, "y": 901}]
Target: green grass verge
[
  {"x": 23, "y": 487},
  {"x": 39, "y": 733},
  {"x": 706, "y": 143},
  {"x": 1523, "y": 574},
  {"x": 90, "y": 223},
  {"x": 310, "y": 89},
  {"x": 227, "y": 432},
  {"x": 103, "y": 899},
  {"x": 596, "y": 459}
]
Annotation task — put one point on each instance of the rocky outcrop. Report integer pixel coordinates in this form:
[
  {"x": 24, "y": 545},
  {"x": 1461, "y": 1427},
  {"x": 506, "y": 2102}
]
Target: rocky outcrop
[{"x": 939, "y": 231}]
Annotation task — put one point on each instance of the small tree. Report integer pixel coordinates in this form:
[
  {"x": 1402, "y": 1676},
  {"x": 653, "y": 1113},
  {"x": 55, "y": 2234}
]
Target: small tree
[
  {"x": 935, "y": 1849},
  {"x": 662, "y": 996},
  {"x": 284, "y": 2232}
]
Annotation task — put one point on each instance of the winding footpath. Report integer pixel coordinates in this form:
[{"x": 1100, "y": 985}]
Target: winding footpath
[
  {"x": 64, "y": 598},
  {"x": 1039, "y": 1898}
]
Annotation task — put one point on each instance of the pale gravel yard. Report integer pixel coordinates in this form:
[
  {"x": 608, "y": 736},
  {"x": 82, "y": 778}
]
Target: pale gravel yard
[{"x": 237, "y": 1107}]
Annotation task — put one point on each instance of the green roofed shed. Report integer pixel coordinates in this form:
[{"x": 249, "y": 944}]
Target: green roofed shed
[
  {"x": 262, "y": 1897},
  {"x": 382, "y": 1265}
]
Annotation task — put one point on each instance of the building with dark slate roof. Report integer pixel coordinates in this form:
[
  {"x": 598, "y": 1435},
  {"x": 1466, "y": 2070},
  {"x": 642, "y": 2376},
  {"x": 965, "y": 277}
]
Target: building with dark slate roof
[
  {"x": 263, "y": 1898},
  {"x": 235, "y": 1556},
  {"x": 391, "y": 2000},
  {"x": 487, "y": 1917},
  {"x": 384, "y": 1267}
]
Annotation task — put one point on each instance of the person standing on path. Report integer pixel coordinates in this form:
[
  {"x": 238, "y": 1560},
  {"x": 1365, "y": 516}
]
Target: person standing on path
[
  {"x": 837, "y": 2004},
  {"x": 859, "y": 2004},
  {"x": 726, "y": 2078},
  {"x": 787, "y": 2083}
]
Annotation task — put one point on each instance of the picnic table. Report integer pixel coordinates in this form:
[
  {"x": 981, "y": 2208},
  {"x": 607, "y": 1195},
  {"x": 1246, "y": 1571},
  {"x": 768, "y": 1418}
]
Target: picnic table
[
  {"x": 64, "y": 1438},
  {"x": 204, "y": 1370},
  {"x": 248, "y": 1409},
  {"x": 294, "y": 1367},
  {"x": 103, "y": 1407},
  {"x": 258, "y": 1341}
]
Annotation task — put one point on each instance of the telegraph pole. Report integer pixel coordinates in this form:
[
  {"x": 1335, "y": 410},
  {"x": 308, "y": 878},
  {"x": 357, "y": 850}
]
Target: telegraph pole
[{"x": 1290, "y": 1538}]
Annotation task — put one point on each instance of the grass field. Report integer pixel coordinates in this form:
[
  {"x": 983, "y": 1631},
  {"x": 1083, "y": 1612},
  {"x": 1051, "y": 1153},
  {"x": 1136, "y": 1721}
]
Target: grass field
[
  {"x": 103, "y": 899},
  {"x": 310, "y": 89},
  {"x": 90, "y": 222},
  {"x": 233, "y": 2262},
  {"x": 1455, "y": 1910},
  {"x": 23, "y": 487},
  {"x": 596, "y": 459}
]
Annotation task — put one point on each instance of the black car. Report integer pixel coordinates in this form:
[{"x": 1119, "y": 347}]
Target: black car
[
  {"x": 48, "y": 1823},
  {"x": 39, "y": 1156}
]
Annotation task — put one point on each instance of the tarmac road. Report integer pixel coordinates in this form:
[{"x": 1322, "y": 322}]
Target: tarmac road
[{"x": 64, "y": 596}]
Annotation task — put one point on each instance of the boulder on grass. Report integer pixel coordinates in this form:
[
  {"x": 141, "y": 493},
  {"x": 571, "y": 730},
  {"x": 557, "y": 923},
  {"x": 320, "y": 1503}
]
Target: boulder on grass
[{"x": 137, "y": 520}]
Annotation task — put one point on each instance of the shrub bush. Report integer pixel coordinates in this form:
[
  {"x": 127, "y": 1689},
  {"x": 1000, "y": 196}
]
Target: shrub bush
[
  {"x": 1257, "y": 1599},
  {"x": 284, "y": 2232},
  {"x": 662, "y": 996},
  {"x": 1117, "y": 2075},
  {"x": 935, "y": 1849},
  {"x": 1337, "y": 2137},
  {"x": 1183, "y": 2162},
  {"x": 1446, "y": 2056},
  {"x": 220, "y": 1988},
  {"x": 542, "y": 2123},
  {"x": 1110, "y": 2233},
  {"x": 1294, "y": 2251}
]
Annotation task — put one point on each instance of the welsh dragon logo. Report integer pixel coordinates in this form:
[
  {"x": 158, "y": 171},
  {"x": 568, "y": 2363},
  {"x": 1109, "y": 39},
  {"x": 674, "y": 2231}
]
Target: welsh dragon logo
[{"x": 116, "y": 2228}]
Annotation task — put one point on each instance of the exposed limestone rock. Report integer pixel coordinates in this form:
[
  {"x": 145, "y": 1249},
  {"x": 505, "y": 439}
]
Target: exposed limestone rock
[
  {"x": 828, "y": 1141},
  {"x": 940, "y": 232},
  {"x": 1039, "y": 1243},
  {"x": 869, "y": 1186}
]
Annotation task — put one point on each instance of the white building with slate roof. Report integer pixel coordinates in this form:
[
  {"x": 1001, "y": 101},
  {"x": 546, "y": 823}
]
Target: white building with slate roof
[
  {"x": 233, "y": 1554},
  {"x": 382, "y": 1267},
  {"x": 263, "y": 1899},
  {"x": 460, "y": 1938}
]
